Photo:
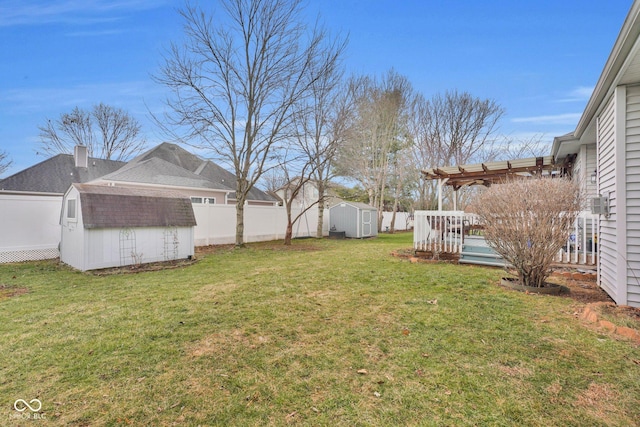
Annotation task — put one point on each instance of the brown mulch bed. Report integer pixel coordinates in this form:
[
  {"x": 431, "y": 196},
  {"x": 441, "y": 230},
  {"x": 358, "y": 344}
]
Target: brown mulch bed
[
  {"x": 584, "y": 291},
  {"x": 152, "y": 266}
]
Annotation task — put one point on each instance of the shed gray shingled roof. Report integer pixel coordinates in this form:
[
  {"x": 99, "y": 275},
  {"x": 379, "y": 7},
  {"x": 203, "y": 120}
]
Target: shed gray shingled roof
[
  {"x": 117, "y": 207},
  {"x": 56, "y": 174},
  {"x": 359, "y": 205}
]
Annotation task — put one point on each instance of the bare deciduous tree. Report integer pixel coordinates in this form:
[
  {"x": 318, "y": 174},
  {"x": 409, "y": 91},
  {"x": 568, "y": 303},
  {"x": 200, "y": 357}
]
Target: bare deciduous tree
[
  {"x": 5, "y": 162},
  {"x": 295, "y": 162},
  {"x": 107, "y": 132},
  {"x": 377, "y": 130},
  {"x": 452, "y": 129},
  {"x": 237, "y": 79},
  {"x": 527, "y": 221},
  {"x": 321, "y": 122}
]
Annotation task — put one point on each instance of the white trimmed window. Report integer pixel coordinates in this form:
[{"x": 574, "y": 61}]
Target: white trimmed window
[{"x": 71, "y": 210}]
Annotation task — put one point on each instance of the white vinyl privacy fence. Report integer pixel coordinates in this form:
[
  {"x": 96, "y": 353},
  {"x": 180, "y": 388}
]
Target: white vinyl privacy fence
[
  {"x": 29, "y": 227},
  {"x": 216, "y": 224},
  {"x": 404, "y": 221}
]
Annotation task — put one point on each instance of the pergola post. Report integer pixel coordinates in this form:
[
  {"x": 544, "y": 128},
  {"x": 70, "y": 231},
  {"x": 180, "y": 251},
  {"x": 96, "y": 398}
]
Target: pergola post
[
  {"x": 455, "y": 200},
  {"x": 441, "y": 183}
]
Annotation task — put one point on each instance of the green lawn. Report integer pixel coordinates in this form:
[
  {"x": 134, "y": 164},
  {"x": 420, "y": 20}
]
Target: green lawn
[{"x": 322, "y": 333}]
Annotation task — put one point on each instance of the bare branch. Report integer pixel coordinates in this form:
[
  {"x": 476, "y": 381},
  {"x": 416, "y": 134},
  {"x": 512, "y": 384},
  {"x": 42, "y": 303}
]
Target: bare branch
[
  {"x": 237, "y": 79},
  {"x": 5, "y": 162},
  {"x": 107, "y": 132},
  {"x": 527, "y": 221}
]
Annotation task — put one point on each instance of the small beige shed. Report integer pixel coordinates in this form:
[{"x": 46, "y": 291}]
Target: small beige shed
[{"x": 108, "y": 226}]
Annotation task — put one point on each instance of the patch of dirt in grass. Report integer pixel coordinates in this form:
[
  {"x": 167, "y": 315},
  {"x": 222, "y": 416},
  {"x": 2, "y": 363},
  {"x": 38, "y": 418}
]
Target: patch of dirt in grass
[
  {"x": 9, "y": 291},
  {"x": 515, "y": 371},
  {"x": 276, "y": 245},
  {"x": 219, "y": 343},
  {"x": 599, "y": 400},
  {"x": 212, "y": 249}
]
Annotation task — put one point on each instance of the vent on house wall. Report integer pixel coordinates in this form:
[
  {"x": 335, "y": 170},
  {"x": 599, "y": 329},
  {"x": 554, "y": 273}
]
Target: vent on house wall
[{"x": 81, "y": 156}]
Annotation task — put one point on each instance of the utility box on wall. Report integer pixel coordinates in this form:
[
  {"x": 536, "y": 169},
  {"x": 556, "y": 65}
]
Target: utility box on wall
[{"x": 600, "y": 205}]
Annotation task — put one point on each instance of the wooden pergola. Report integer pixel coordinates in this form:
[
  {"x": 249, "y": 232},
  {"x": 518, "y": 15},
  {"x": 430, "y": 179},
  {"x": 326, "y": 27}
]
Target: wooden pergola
[{"x": 494, "y": 172}]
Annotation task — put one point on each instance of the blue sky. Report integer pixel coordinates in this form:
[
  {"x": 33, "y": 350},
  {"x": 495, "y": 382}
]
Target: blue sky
[{"x": 538, "y": 59}]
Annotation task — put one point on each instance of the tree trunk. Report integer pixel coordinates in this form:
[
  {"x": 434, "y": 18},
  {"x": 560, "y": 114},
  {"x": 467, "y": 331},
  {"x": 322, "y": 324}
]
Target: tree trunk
[
  {"x": 240, "y": 222},
  {"x": 289, "y": 233},
  {"x": 320, "y": 227},
  {"x": 392, "y": 227}
]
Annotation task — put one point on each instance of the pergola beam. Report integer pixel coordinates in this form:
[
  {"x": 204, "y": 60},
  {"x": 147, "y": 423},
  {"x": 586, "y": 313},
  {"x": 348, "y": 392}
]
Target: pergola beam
[{"x": 490, "y": 172}]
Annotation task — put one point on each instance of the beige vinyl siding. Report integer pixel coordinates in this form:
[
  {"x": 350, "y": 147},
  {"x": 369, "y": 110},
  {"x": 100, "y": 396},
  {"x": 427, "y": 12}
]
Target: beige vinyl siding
[
  {"x": 632, "y": 178},
  {"x": 592, "y": 166},
  {"x": 579, "y": 169},
  {"x": 606, "y": 171},
  {"x": 585, "y": 166}
]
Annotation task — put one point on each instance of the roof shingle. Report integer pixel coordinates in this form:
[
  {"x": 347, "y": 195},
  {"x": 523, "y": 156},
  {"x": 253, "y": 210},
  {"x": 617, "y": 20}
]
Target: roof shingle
[{"x": 116, "y": 207}]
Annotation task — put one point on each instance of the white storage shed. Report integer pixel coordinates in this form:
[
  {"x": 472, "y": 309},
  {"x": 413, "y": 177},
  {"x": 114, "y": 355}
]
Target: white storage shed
[
  {"x": 107, "y": 226},
  {"x": 356, "y": 220}
]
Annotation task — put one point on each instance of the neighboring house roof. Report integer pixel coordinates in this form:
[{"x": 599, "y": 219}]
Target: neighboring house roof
[
  {"x": 115, "y": 207},
  {"x": 218, "y": 176},
  {"x": 56, "y": 174},
  {"x": 166, "y": 164},
  {"x": 158, "y": 171}
]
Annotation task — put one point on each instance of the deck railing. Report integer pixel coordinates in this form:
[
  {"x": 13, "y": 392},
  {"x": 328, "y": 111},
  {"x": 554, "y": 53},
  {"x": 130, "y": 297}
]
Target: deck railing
[
  {"x": 582, "y": 246},
  {"x": 444, "y": 232},
  {"x": 439, "y": 231}
]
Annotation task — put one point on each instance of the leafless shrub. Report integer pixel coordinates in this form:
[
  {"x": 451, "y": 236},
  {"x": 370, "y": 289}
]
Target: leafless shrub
[{"x": 527, "y": 221}]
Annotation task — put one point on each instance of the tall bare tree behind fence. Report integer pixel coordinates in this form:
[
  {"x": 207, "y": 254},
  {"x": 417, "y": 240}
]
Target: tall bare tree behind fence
[{"x": 237, "y": 79}]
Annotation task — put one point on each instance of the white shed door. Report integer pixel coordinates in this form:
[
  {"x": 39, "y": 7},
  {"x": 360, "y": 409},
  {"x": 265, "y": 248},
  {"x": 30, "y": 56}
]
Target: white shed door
[{"x": 366, "y": 223}]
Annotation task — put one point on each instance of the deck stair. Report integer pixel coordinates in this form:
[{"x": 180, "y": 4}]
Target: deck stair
[{"x": 475, "y": 250}]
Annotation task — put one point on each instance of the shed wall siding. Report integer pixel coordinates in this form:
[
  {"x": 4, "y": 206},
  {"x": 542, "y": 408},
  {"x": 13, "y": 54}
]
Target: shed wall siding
[
  {"x": 105, "y": 248},
  {"x": 72, "y": 245},
  {"x": 344, "y": 218},
  {"x": 632, "y": 177},
  {"x": 606, "y": 176}
]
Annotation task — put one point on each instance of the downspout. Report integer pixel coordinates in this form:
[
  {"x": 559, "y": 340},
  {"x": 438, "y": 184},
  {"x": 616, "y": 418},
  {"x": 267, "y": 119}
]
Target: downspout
[{"x": 598, "y": 233}]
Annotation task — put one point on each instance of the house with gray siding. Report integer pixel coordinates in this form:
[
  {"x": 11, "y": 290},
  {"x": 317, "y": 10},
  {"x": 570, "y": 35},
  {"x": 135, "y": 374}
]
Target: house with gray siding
[{"x": 605, "y": 150}]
